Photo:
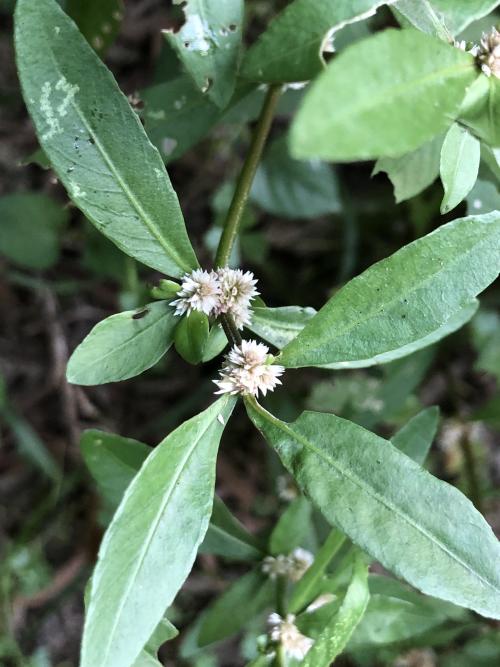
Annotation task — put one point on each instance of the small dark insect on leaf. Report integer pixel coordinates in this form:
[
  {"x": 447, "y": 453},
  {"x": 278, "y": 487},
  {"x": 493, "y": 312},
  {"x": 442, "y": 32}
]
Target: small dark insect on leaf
[{"x": 140, "y": 314}]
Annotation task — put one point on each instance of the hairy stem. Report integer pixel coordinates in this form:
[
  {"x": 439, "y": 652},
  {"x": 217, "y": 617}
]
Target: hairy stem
[{"x": 245, "y": 180}]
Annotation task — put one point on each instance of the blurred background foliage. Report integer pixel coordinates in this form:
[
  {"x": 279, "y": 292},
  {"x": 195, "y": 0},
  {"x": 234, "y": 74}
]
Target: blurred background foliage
[{"x": 309, "y": 228}]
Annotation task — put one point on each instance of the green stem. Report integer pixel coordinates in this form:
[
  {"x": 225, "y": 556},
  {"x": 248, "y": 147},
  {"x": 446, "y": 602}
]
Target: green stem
[
  {"x": 245, "y": 180},
  {"x": 302, "y": 592}
]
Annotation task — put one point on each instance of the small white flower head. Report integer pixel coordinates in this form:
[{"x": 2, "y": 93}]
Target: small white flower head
[
  {"x": 248, "y": 370},
  {"x": 292, "y": 566},
  {"x": 489, "y": 53},
  {"x": 300, "y": 561},
  {"x": 237, "y": 289},
  {"x": 276, "y": 566},
  {"x": 285, "y": 632},
  {"x": 200, "y": 290}
]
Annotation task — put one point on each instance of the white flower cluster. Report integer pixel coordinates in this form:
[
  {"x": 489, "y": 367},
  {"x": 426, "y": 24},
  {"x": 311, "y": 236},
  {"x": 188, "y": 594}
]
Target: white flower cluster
[
  {"x": 284, "y": 631},
  {"x": 217, "y": 292},
  {"x": 247, "y": 370},
  {"x": 293, "y": 566},
  {"x": 489, "y": 53}
]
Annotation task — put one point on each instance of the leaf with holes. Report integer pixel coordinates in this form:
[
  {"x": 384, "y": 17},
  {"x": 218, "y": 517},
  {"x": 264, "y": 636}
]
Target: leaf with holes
[
  {"x": 95, "y": 142},
  {"x": 284, "y": 53},
  {"x": 208, "y": 44}
]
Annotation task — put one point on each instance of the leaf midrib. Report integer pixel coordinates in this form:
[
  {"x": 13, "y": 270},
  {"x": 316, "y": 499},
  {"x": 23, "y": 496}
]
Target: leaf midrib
[
  {"x": 150, "y": 225},
  {"x": 389, "y": 304},
  {"x": 357, "y": 481},
  {"x": 395, "y": 92},
  {"x": 126, "y": 342},
  {"x": 150, "y": 535}
]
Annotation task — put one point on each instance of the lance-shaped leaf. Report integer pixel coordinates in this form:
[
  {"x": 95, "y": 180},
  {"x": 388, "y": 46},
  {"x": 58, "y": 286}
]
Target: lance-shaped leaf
[
  {"x": 95, "y": 142},
  {"x": 123, "y": 345},
  {"x": 459, "y": 167},
  {"x": 291, "y": 528},
  {"x": 415, "y": 438},
  {"x": 285, "y": 53},
  {"x": 386, "y": 503},
  {"x": 344, "y": 114},
  {"x": 334, "y": 637},
  {"x": 208, "y": 44},
  {"x": 113, "y": 462},
  {"x": 403, "y": 298},
  {"x": 150, "y": 546}
]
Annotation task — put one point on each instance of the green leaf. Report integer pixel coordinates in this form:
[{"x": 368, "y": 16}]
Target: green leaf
[
  {"x": 456, "y": 15},
  {"x": 283, "y": 53},
  {"x": 403, "y": 298},
  {"x": 423, "y": 16},
  {"x": 227, "y": 537},
  {"x": 208, "y": 44},
  {"x": 247, "y": 597},
  {"x": 123, "y": 345},
  {"x": 35, "y": 217},
  {"x": 150, "y": 546},
  {"x": 338, "y": 631},
  {"x": 396, "y": 614},
  {"x": 191, "y": 336},
  {"x": 177, "y": 116},
  {"x": 386, "y": 503},
  {"x": 415, "y": 438},
  {"x": 279, "y": 326},
  {"x": 164, "y": 632},
  {"x": 98, "y": 20},
  {"x": 344, "y": 114},
  {"x": 294, "y": 188},
  {"x": 113, "y": 461},
  {"x": 481, "y": 110},
  {"x": 460, "y": 155},
  {"x": 95, "y": 142},
  {"x": 305, "y": 587},
  {"x": 216, "y": 342},
  {"x": 291, "y": 528},
  {"x": 413, "y": 172}
]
